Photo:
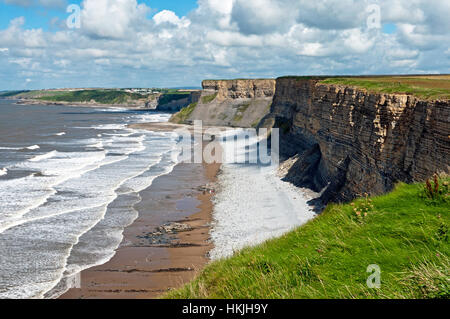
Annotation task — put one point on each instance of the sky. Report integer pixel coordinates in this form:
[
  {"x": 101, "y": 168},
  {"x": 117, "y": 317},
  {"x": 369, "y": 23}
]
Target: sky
[{"x": 178, "y": 43}]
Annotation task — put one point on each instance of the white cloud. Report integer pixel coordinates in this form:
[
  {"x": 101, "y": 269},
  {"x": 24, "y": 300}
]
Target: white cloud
[
  {"x": 112, "y": 18},
  {"x": 357, "y": 41},
  {"x": 264, "y": 16},
  {"x": 167, "y": 16},
  {"x": 121, "y": 44}
]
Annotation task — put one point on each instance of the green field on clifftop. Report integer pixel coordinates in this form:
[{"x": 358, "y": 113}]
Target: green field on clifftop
[
  {"x": 426, "y": 87},
  {"x": 405, "y": 233},
  {"x": 99, "y": 96}
]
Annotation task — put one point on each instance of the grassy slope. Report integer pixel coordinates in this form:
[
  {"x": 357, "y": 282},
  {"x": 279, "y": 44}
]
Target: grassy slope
[
  {"x": 11, "y": 93},
  {"x": 209, "y": 98},
  {"x": 99, "y": 96},
  {"x": 183, "y": 115},
  {"x": 404, "y": 233},
  {"x": 426, "y": 87},
  {"x": 170, "y": 97}
]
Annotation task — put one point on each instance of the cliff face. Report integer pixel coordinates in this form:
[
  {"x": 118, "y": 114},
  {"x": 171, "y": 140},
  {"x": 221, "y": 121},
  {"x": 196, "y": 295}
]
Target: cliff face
[
  {"x": 238, "y": 103},
  {"x": 356, "y": 142},
  {"x": 241, "y": 89},
  {"x": 173, "y": 105},
  {"x": 339, "y": 140}
]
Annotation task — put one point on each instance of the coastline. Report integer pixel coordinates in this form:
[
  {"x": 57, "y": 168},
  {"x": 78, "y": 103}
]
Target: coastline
[
  {"x": 31, "y": 102},
  {"x": 152, "y": 259}
]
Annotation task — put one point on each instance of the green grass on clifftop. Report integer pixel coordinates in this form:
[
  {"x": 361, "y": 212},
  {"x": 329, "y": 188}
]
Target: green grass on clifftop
[
  {"x": 171, "y": 97},
  {"x": 11, "y": 93},
  {"x": 183, "y": 115},
  {"x": 426, "y": 87},
  {"x": 405, "y": 233},
  {"x": 209, "y": 98},
  {"x": 99, "y": 96}
]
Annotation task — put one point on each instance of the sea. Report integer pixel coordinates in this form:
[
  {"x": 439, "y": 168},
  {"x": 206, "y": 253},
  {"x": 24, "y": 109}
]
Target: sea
[{"x": 70, "y": 179}]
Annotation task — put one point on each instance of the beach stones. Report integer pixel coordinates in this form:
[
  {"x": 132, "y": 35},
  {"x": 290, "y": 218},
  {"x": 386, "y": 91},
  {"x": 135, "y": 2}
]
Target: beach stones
[{"x": 174, "y": 228}]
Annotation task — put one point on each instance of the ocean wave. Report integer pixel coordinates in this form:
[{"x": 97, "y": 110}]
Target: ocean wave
[
  {"x": 20, "y": 196},
  {"x": 3, "y": 171},
  {"x": 109, "y": 127},
  {"x": 97, "y": 145},
  {"x": 33, "y": 147},
  {"x": 60, "y": 134},
  {"x": 70, "y": 196},
  {"x": 120, "y": 134},
  {"x": 113, "y": 109},
  {"x": 67, "y": 217},
  {"x": 117, "y": 218},
  {"x": 10, "y": 148},
  {"x": 42, "y": 157}
]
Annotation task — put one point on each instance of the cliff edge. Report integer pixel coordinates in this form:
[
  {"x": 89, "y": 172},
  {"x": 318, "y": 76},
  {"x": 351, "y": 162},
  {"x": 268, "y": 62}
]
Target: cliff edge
[
  {"x": 235, "y": 103},
  {"x": 354, "y": 142},
  {"x": 340, "y": 140}
]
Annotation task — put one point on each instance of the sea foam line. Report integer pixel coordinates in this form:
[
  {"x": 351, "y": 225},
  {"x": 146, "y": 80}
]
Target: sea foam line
[
  {"x": 19, "y": 216},
  {"x": 39, "y": 158},
  {"x": 33, "y": 147},
  {"x": 50, "y": 190},
  {"x": 66, "y": 272}
]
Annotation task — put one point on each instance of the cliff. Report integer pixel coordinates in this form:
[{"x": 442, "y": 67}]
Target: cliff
[
  {"x": 341, "y": 140},
  {"x": 174, "y": 102},
  {"x": 354, "y": 142},
  {"x": 236, "y": 103}
]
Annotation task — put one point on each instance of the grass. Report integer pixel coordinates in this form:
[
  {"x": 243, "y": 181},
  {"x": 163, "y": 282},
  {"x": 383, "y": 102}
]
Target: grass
[
  {"x": 209, "y": 98},
  {"x": 99, "y": 96},
  {"x": 184, "y": 114},
  {"x": 426, "y": 87},
  {"x": 255, "y": 123},
  {"x": 11, "y": 93},
  {"x": 240, "y": 112},
  {"x": 404, "y": 232},
  {"x": 102, "y": 96},
  {"x": 170, "y": 97}
]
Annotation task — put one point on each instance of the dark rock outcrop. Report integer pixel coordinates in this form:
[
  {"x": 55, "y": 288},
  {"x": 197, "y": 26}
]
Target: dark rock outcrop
[{"x": 175, "y": 105}]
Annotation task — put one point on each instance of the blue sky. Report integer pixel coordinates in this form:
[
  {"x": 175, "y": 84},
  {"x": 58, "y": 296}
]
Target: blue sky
[
  {"x": 40, "y": 17},
  {"x": 134, "y": 43}
]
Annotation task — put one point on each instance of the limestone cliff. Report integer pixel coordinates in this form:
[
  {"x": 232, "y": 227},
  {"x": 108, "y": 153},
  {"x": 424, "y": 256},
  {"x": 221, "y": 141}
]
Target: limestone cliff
[
  {"x": 340, "y": 140},
  {"x": 355, "y": 142},
  {"x": 237, "y": 103}
]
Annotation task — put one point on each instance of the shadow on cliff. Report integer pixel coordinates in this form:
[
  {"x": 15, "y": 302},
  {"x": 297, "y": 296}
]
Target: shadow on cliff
[{"x": 307, "y": 168}]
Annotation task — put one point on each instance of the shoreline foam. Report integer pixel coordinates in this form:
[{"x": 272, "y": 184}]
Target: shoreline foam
[{"x": 143, "y": 269}]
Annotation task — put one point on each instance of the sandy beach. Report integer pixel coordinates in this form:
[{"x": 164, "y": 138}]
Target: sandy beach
[
  {"x": 171, "y": 241},
  {"x": 166, "y": 246}
]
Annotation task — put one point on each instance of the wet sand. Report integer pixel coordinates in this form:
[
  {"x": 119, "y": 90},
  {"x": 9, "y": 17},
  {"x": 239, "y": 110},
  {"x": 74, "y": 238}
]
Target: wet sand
[{"x": 149, "y": 261}]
